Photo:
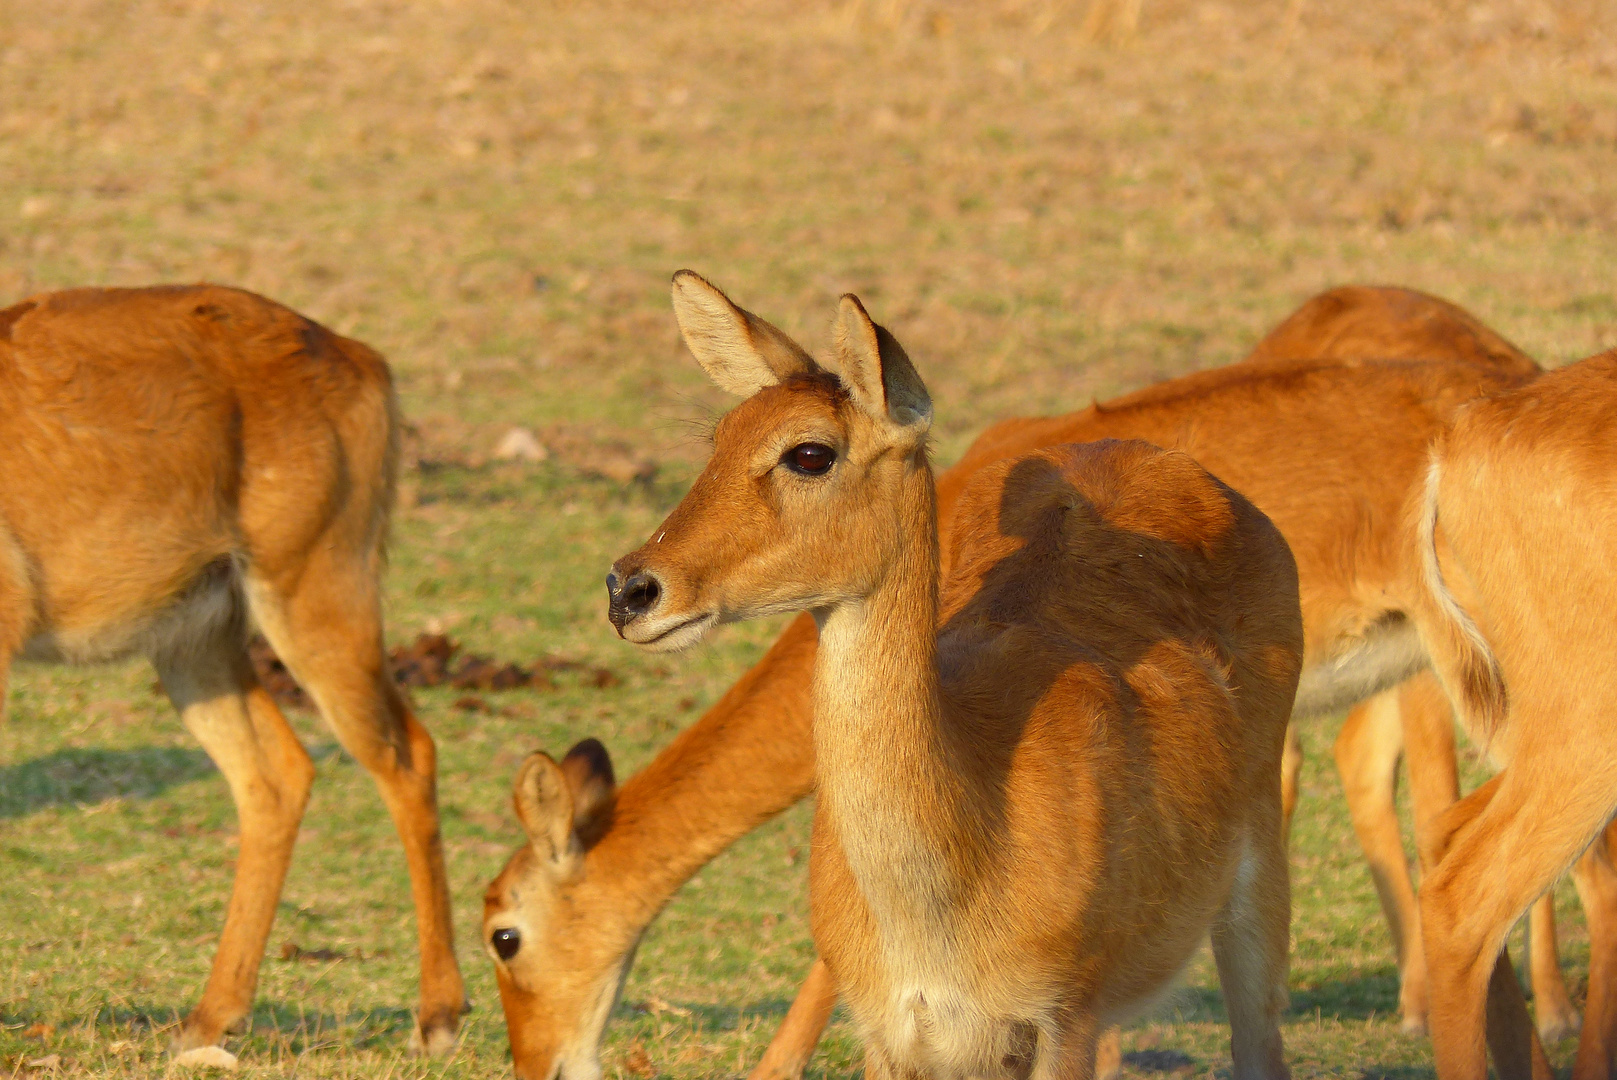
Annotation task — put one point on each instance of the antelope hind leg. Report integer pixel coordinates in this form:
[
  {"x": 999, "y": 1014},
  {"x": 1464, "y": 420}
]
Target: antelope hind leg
[
  {"x": 1291, "y": 770},
  {"x": 794, "y": 1042},
  {"x": 1468, "y": 906},
  {"x": 1428, "y": 732},
  {"x": 1076, "y": 1054},
  {"x": 1109, "y": 1055},
  {"x": 269, "y": 774},
  {"x": 1251, "y": 941},
  {"x": 16, "y": 608},
  {"x": 327, "y": 628},
  {"x": 1367, "y": 752},
  {"x": 1596, "y": 879},
  {"x": 1553, "y": 1012}
]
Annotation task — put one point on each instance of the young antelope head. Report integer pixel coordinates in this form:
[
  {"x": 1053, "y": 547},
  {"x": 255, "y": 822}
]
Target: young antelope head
[
  {"x": 558, "y": 960},
  {"x": 800, "y": 477}
]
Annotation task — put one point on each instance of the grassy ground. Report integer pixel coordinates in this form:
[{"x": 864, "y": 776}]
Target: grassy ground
[{"x": 495, "y": 194}]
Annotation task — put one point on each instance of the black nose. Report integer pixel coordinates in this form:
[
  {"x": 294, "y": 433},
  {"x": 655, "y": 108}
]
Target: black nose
[
  {"x": 640, "y": 593},
  {"x": 632, "y": 597}
]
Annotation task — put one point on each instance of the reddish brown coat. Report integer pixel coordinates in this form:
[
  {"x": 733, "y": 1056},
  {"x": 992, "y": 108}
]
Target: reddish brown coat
[
  {"x": 749, "y": 757},
  {"x": 1039, "y": 792},
  {"x": 181, "y": 460},
  {"x": 1519, "y": 530}
]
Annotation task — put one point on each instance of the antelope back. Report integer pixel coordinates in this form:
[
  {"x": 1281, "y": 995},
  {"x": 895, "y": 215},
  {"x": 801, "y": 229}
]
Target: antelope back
[
  {"x": 1363, "y": 322},
  {"x": 155, "y": 438},
  {"x": 1332, "y": 451}
]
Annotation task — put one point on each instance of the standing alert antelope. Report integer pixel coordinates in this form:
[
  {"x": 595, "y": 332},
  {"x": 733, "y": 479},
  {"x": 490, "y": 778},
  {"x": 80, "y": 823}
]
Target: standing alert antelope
[
  {"x": 1328, "y": 448},
  {"x": 1519, "y": 530},
  {"x": 183, "y": 461},
  {"x": 1041, "y": 780}
]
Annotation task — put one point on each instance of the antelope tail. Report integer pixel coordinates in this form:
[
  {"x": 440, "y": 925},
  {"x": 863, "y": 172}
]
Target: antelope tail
[{"x": 1461, "y": 655}]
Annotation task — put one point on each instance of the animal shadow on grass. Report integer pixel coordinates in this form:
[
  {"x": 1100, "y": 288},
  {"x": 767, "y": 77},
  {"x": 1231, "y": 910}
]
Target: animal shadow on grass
[
  {"x": 273, "y": 1021},
  {"x": 1366, "y": 995},
  {"x": 706, "y": 1016},
  {"x": 1157, "y": 1060},
  {"x": 85, "y": 777},
  {"x": 1356, "y": 999},
  {"x": 77, "y": 777}
]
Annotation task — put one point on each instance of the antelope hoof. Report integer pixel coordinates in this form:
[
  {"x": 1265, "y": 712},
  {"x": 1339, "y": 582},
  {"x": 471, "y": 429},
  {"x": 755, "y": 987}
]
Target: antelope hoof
[
  {"x": 199, "y": 1032},
  {"x": 1555, "y": 1026},
  {"x": 434, "y": 1036}
]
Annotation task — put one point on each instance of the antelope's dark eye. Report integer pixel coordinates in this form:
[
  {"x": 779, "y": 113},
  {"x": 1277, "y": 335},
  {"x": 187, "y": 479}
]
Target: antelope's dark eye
[
  {"x": 811, "y": 458},
  {"x": 506, "y": 942}
]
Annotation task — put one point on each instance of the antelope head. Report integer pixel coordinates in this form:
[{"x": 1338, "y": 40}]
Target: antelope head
[
  {"x": 559, "y": 971},
  {"x": 794, "y": 481}
]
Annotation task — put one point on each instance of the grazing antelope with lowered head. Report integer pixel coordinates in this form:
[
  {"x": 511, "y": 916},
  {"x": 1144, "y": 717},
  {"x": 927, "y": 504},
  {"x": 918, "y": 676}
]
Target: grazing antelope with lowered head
[
  {"x": 1329, "y": 448},
  {"x": 1519, "y": 530},
  {"x": 1042, "y": 779},
  {"x": 181, "y": 462}
]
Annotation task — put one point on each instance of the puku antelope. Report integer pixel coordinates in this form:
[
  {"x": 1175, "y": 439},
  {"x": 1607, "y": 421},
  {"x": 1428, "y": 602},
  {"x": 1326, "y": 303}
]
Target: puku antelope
[
  {"x": 1041, "y": 778},
  {"x": 1519, "y": 531},
  {"x": 180, "y": 462},
  {"x": 1278, "y": 424}
]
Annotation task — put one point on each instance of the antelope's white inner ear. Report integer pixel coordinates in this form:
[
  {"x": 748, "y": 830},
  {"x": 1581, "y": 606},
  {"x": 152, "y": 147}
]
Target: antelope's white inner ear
[
  {"x": 739, "y": 351},
  {"x": 877, "y": 371}
]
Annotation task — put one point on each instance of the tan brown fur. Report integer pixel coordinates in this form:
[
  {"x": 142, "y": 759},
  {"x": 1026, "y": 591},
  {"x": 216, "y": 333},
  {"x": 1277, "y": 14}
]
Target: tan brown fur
[
  {"x": 1385, "y": 322},
  {"x": 1354, "y": 431},
  {"x": 799, "y": 1033},
  {"x": 1519, "y": 523},
  {"x": 1043, "y": 779},
  {"x": 183, "y": 461}
]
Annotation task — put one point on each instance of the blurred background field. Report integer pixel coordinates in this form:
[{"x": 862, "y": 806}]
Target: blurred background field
[{"x": 495, "y": 195}]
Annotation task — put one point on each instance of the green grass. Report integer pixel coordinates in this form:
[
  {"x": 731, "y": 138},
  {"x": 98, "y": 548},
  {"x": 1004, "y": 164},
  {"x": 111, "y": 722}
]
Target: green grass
[
  {"x": 495, "y": 194},
  {"x": 117, "y": 836}
]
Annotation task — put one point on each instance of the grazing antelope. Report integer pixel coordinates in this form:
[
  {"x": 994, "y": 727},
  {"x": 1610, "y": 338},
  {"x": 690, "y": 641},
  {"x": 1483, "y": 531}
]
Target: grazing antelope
[
  {"x": 1329, "y": 450},
  {"x": 1519, "y": 531},
  {"x": 1041, "y": 779},
  {"x": 180, "y": 462}
]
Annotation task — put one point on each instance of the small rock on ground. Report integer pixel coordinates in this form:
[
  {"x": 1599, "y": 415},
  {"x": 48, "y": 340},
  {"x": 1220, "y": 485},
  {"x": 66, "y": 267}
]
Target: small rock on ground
[
  {"x": 206, "y": 1057},
  {"x": 519, "y": 444}
]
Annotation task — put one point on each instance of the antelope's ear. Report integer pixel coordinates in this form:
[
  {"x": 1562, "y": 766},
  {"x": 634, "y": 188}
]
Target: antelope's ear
[
  {"x": 738, "y": 350},
  {"x": 878, "y": 373},
  {"x": 587, "y": 769},
  {"x": 544, "y": 804}
]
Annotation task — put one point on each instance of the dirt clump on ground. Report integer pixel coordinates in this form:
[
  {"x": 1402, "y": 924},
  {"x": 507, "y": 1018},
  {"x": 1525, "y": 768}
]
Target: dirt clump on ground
[{"x": 438, "y": 660}]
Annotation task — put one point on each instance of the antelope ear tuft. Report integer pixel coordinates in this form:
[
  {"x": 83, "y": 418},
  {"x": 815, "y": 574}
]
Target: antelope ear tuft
[
  {"x": 878, "y": 373},
  {"x": 740, "y": 352}
]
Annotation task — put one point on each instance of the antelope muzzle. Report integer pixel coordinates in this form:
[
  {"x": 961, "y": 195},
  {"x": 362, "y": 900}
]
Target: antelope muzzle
[{"x": 630, "y": 593}]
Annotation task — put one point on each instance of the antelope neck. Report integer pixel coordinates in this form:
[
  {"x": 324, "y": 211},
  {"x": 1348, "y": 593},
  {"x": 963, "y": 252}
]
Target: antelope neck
[
  {"x": 881, "y": 757},
  {"x": 664, "y": 831},
  {"x": 746, "y": 760}
]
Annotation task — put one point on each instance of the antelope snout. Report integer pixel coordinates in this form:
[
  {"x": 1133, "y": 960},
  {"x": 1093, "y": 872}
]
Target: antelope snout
[{"x": 630, "y": 594}]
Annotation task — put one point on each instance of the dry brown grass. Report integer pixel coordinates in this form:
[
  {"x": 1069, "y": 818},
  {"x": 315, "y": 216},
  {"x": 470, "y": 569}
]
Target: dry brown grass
[{"x": 495, "y": 193}]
